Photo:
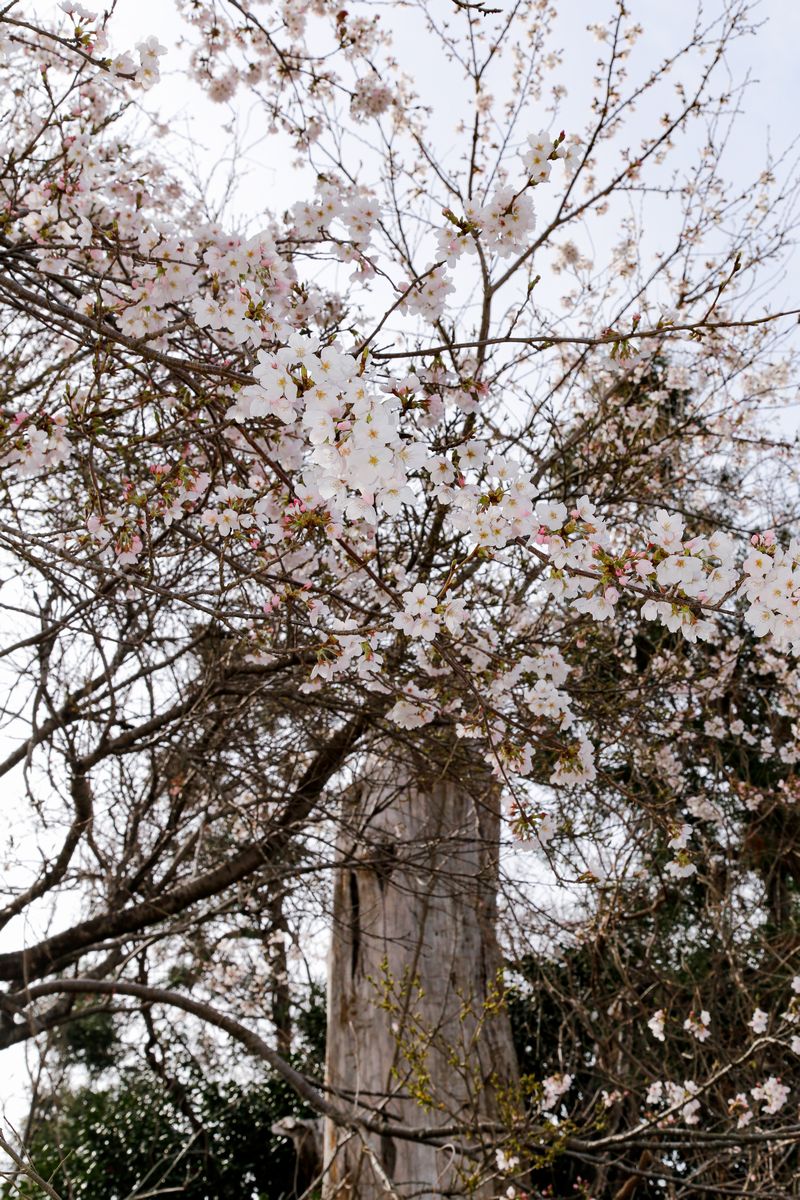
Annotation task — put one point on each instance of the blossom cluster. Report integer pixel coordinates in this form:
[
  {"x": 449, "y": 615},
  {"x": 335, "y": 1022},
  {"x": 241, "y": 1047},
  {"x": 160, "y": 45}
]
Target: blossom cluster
[
  {"x": 90, "y": 33},
  {"x": 676, "y": 1096},
  {"x": 329, "y": 451}
]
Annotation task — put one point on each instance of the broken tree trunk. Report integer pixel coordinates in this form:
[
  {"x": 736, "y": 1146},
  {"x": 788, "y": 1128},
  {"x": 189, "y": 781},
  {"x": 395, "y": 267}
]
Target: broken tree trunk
[{"x": 416, "y": 1028}]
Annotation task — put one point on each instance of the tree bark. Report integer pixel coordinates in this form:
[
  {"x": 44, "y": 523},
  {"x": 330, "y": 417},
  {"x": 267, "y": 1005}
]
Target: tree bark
[{"x": 416, "y": 1029}]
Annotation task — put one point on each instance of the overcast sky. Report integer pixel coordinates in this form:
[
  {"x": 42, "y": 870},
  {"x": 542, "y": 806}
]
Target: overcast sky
[
  {"x": 769, "y": 109},
  {"x": 771, "y": 57}
]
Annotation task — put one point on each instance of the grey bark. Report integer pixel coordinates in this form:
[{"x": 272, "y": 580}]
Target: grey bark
[{"x": 414, "y": 1028}]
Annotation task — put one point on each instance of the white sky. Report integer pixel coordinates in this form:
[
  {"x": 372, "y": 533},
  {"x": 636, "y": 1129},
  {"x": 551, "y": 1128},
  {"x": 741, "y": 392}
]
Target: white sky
[
  {"x": 771, "y": 58},
  {"x": 197, "y": 126}
]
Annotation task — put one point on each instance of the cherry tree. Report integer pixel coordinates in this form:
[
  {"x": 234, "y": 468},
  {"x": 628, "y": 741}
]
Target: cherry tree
[{"x": 340, "y": 550}]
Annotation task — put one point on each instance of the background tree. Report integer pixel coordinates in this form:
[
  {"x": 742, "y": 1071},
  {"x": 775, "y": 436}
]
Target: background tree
[{"x": 160, "y": 1126}]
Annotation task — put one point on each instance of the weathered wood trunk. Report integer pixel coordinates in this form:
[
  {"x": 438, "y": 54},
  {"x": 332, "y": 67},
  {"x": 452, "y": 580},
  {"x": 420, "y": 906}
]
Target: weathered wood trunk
[{"x": 414, "y": 1027}]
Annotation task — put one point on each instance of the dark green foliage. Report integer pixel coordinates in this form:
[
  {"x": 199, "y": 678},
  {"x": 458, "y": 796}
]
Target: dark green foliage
[
  {"x": 310, "y": 1022},
  {"x": 138, "y": 1137},
  {"x": 92, "y": 1041},
  {"x": 174, "y": 1131}
]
